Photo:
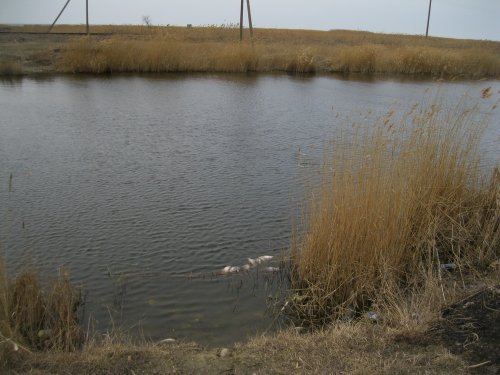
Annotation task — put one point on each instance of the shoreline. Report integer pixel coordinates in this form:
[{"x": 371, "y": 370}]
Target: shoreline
[
  {"x": 352, "y": 348},
  {"x": 24, "y": 51}
]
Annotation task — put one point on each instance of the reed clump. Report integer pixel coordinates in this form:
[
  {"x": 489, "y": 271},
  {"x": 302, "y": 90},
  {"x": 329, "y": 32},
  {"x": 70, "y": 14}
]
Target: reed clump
[
  {"x": 403, "y": 211},
  {"x": 175, "y": 49},
  {"x": 36, "y": 318},
  {"x": 119, "y": 55}
]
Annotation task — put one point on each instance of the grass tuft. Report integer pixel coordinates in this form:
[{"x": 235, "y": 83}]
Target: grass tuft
[{"x": 37, "y": 318}]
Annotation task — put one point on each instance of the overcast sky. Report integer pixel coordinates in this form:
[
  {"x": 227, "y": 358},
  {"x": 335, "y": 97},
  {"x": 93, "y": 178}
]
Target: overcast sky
[{"x": 475, "y": 19}]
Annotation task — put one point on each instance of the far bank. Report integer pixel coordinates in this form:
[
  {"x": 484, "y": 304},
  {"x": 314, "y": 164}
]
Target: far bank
[{"x": 140, "y": 49}]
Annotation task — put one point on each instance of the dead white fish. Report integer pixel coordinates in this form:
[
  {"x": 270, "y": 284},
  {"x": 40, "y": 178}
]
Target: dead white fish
[
  {"x": 246, "y": 267},
  {"x": 265, "y": 258},
  {"x": 230, "y": 269},
  {"x": 254, "y": 262},
  {"x": 271, "y": 269}
]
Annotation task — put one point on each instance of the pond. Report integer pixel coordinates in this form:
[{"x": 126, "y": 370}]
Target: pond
[{"x": 144, "y": 187}]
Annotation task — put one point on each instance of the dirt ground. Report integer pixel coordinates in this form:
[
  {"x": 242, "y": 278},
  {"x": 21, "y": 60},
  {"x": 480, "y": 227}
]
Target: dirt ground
[
  {"x": 471, "y": 328},
  {"x": 32, "y": 53},
  {"x": 464, "y": 341}
]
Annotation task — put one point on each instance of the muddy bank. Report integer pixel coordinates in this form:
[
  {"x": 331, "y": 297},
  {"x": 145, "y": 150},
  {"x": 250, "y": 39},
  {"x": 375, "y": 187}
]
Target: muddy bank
[{"x": 464, "y": 341}]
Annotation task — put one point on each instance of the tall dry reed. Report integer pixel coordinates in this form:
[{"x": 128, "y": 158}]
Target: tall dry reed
[
  {"x": 174, "y": 49},
  {"x": 399, "y": 202}
]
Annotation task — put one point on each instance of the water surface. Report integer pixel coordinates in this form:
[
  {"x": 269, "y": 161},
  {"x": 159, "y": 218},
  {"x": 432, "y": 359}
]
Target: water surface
[{"x": 133, "y": 182}]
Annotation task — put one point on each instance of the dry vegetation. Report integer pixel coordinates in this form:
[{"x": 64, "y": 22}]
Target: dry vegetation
[
  {"x": 37, "y": 318},
  {"x": 10, "y": 69},
  {"x": 217, "y": 49},
  {"x": 404, "y": 217},
  {"x": 353, "y": 349}
]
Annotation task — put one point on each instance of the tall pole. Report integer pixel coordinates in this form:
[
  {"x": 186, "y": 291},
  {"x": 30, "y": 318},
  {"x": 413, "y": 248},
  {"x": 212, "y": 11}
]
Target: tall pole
[
  {"x": 250, "y": 19},
  {"x": 241, "y": 21},
  {"x": 87, "y": 9},
  {"x": 59, "y": 15},
  {"x": 428, "y": 19}
]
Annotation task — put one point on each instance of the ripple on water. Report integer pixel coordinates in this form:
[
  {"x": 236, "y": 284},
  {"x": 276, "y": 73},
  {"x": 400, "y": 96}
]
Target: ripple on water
[{"x": 133, "y": 182}]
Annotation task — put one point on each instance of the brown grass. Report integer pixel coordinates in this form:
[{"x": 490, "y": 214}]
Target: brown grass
[
  {"x": 363, "y": 348},
  {"x": 10, "y": 69},
  {"x": 37, "y": 318},
  {"x": 217, "y": 49},
  {"x": 397, "y": 202}
]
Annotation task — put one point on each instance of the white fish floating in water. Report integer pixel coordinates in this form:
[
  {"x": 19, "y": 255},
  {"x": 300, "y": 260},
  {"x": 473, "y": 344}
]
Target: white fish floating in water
[
  {"x": 265, "y": 258},
  {"x": 230, "y": 269},
  {"x": 254, "y": 262}
]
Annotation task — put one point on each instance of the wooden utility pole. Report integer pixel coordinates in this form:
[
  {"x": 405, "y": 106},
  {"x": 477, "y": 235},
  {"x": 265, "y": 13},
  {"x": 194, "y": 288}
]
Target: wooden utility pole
[
  {"x": 249, "y": 19},
  {"x": 241, "y": 21},
  {"x": 87, "y": 9},
  {"x": 59, "y": 15},
  {"x": 428, "y": 19}
]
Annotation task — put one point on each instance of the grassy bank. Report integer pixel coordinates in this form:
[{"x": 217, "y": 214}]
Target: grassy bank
[
  {"x": 404, "y": 216},
  {"x": 217, "y": 49}
]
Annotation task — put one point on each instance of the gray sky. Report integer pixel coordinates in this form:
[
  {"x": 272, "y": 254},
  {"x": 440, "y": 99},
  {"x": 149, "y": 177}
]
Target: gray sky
[{"x": 474, "y": 19}]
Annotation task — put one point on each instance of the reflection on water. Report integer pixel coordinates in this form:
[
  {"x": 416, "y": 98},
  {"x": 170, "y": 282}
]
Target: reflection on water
[{"x": 144, "y": 187}]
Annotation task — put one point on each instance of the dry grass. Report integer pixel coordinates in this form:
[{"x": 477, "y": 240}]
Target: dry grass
[
  {"x": 397, "y": 202},
  {"x": 349, "y": 349},
  {"x": 131, "y": 48},
  {"x": 216, "y": 49},
  {"x": 10, "y": 69},
  {"x": 34, "y": 318},
  {"x": 361, "y": 348}
]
